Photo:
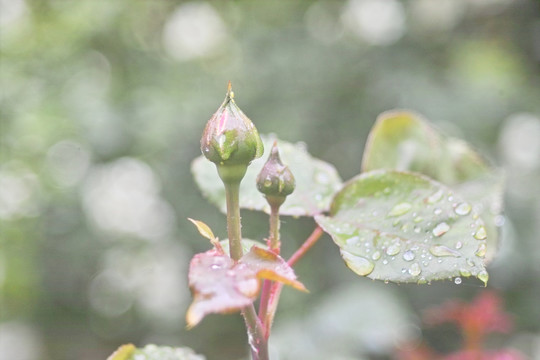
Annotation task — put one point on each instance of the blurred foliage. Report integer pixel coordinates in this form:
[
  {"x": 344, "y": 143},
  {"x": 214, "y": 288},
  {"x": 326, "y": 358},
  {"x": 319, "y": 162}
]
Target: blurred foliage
[{"x": 102, "y": 105}]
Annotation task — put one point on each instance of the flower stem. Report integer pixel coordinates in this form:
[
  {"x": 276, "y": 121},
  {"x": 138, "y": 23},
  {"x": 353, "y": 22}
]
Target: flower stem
[
  {"x": 257, "y": 340},
  {"x": 274, "y": 228},
  {"x": 232, "y": 192}
]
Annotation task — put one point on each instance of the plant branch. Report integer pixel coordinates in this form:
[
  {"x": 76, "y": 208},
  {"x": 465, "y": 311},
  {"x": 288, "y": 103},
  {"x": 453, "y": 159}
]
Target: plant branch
[
  {"x": 275, "y": 290},
  {"x": 256, "y": 338},
  {"x": 308, "y": 244},
  {"x": 274, "y": 245}
]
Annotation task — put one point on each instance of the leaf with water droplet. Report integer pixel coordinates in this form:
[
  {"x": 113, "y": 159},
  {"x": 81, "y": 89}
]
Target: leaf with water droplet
[
  {"x": 431, "y": 252},
  {"x": 316, "y": 181},
  {"x": 219, "y": 285},
  {"x": 154, "y": 352},
  {"x": 404, "y": 140}
]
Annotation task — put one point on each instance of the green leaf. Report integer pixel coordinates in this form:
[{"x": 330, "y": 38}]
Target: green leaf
[
  {"x": 153, "y": 352},
  {"x": 220, "y": 285},
  {"x": 403, "y": 140},
  {"x": 404, "y": 227},
  {"x": 316, "y": 181}
]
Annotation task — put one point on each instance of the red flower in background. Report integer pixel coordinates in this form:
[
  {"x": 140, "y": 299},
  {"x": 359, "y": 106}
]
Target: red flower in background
[{"x": 482, "y": 316}]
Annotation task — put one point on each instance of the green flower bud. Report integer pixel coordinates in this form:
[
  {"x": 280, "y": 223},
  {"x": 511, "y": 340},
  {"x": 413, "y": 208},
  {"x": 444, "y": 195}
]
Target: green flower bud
[
  {"x": 230, "y": 140},
  {"x": 275, "y": 180}
]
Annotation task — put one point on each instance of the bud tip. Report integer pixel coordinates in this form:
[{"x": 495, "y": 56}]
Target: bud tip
[{"x": 230, "y": 93}]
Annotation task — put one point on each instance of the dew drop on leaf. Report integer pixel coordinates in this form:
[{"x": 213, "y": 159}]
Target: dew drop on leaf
[
  {"x": 459, "y": 245},
  {"x": 463, "y": 209},
  {"x": 441, "y": 250},
  {"x": 441, "y": 229},
  {"x": 435, "y": 197},
  {"x": 481, "y": 233},
  {"x": 484, "y": 276},
  {"x": 376, "y": 255},
  {"x": 464, "y": 272},
  {"x": 358, "y": 264},
  {"x": 400, "y": 209},
  {"x": 457, "y": 281},
  {"x": 415, "y": 269},
  {"x": 393, "y": 249},
  {"x": 409, "y": 255},
  {"x": 482, "y": 249}
]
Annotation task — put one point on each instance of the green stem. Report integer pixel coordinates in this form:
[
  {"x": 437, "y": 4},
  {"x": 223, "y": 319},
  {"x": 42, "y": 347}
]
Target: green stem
[
  {"x": 257, "y": 340},
  {"x": 274, "y": 228},
  {"x": 232, "y": 192}
]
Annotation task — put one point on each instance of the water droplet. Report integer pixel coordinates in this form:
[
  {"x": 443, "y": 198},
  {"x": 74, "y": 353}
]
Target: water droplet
[
  {"x": 459, "y": 245},
  {"x": 463, "y": 209},
  {"x": 418, "y": 219},
  {"x": 376, "y": 255},
  {"x": 457, "y": 281},
  {"x": 484, "y": 276},
  {"x": 464, "y": 272},
  {"x": 415, "y": 269},
  {"x": 441, "y": 229},
  {"x": 417, "y": 229},
  {"x": 437, "y": 211},
  {"x": 408, "y": 255},
  {"x": 358, "y": 264},
  {"x": 481, "y": 233},
  {"x": 355, "y": 240},
  {"x": 400, "y": 209},
  {"x": 393, "y": 249},
  {"x": 441, "y": 250},
  {"x": 422, "y": 281},
  {"x": 499, "y": 220},
  {"x": 450, "y": 198},
  {"x": 385, "y": 262},
  {"x": 435, "y": 197},
  {"x": 482, "y": 248}
]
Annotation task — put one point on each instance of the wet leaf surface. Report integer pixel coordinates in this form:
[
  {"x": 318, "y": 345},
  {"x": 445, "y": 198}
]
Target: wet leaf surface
[
  {"x": 153, "y": 352},
  {"x": 404, "y": 227},
  {"x": 316, "y": 181},
  {"x": 219, "y": 285},
  {"x": 403, "y": 140}
]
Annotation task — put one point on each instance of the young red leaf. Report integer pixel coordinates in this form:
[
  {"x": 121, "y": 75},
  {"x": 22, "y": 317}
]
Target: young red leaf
[
  {"x": 219, "y": 285},
  {"x": 268, "y": 265}
]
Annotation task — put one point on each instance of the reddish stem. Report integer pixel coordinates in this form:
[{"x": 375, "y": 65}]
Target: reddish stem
[
  {"x": 271, "y": 294},
  {"x": 308, "y": 244}
]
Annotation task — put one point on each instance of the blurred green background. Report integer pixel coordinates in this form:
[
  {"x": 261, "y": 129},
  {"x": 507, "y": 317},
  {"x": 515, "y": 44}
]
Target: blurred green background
[{"x": 102, "y": 105}]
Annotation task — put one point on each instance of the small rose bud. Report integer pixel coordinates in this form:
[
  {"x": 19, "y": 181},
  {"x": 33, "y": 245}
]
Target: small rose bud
[
  {"x": 275, "y": 180},
  {"x": 230, "y": 140}
]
